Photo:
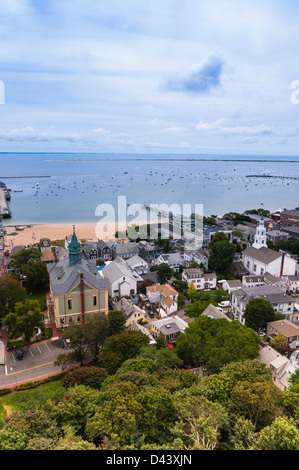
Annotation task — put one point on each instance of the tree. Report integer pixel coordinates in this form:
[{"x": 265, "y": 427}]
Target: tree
[
  {"x": 118, "y": 348},
  {"x": 221, "y": 256},
  {"x": 258, "y": 313},
  {"x": 37, "y": 277},
  {"x": 216, "y": 343},
  {"x": 257, "y": 401},
  {"x": 164, "y": 272},
  {"x": 24, "y": 258},
  {"x": 282, "y": 434},
  {"x": 23, "y": 321},
  {"x": 85, "y": 338},
  {"x": 200, "y": 421},
  {"x": 116, "y": 321},
  {"x": 279, "y": 341},
  {"x": 10, "y": 293}
]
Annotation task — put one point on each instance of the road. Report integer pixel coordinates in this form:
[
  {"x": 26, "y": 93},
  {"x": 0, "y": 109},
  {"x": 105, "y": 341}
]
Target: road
[{"x": 37, "y": 363}]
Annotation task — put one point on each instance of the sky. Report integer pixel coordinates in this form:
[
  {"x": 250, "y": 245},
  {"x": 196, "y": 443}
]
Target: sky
[{"x": 147, "y": 76}]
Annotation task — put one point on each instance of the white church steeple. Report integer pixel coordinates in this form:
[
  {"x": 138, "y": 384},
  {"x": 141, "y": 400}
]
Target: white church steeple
[{"x": 260, "y": 239}]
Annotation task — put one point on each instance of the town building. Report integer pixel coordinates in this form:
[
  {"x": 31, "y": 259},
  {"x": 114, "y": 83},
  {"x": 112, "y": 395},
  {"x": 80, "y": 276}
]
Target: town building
[
  {"x": 76, "y": 288},
  {"x": 286, "y": 329},
  {"x": 105, "y": 251},
  {"x": 199, "y": 279},
  {"x": 258, "y": 259},
  {"x": 290, "y": 218},
  {"x": 174, "y": 260},
  {"x": 231, "y": 285},
  {"x": 163, "y": 296},
  {"x": 280, "y": 301},
  {"x": 169, "y": 327},
  {"x": 132, "y": 312},
  {"x": 125, "y": 250},
  {"x": 123, "y": 280}
]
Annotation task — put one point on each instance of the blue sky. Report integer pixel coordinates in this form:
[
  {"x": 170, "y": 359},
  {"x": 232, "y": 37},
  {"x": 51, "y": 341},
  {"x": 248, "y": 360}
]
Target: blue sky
[{"x": 170, "y": 76}]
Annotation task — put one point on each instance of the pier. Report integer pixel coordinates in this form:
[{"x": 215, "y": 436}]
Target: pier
[{"x": 5, "y": 211}]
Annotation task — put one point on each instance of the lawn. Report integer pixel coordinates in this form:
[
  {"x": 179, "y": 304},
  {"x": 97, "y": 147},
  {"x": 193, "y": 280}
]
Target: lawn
[{"x": 35, "y": 398}]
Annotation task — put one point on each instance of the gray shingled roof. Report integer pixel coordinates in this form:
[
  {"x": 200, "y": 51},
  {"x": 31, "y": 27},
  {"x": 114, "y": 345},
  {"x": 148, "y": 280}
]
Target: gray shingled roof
[
  {"x": 64, "y": 278},
  {"x": 265, "y": 255}
]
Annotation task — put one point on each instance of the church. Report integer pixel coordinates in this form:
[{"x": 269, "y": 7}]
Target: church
[
  {"x": 76, "y": 288},
  {"x": 258, "y": 259}
]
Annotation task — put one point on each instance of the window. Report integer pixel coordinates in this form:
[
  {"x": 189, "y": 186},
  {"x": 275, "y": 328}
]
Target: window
[
  {"x": 254, "y": 267},
  {"x": 94, "y": 300},
  {"x": 69, "y": 304}
]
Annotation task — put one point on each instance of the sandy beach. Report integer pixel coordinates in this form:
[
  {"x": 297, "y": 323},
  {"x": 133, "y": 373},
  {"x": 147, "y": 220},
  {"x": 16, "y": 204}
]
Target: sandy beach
[{"x": 26, "y": 235}]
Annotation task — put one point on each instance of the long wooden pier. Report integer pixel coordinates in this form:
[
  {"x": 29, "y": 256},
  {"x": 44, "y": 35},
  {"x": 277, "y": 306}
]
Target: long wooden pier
[{"x": 5, "y": 211}]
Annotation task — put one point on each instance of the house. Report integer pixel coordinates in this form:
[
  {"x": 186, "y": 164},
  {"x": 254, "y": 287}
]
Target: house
[
  {"x": 76, "y": 288},
  {"x": 90, "y": 250},
  {"x": 292, "y": 283},
  {"x": 132, "y": 312},
  {"x": 174, "y": 260},
  {"x": 169, "y": 327},
  {"x": 163, "y": 295},
  {"x": 125, "y": 250},
  {"x": 215, "y": 313},
  {"x": 231, "y": 285},
  {"x": 200, "y": 280},
  {"x": 47, "y": 256},
  {"x": 138, "y": 264},
  {"x": 149, "y": 251},
  {"x": 45, "y": 244},
  {"x": 286, "y": 329},
  {"x": 281, "y": 367},
  {"x": 201, "y": 257},
  {"x": 105, "y": 250},
  {"x": 275, "y": 236},
  {"x": 280, "y": 301},
  {"x": 137, "y": 327},
  {"x": 122, "y": 278}
]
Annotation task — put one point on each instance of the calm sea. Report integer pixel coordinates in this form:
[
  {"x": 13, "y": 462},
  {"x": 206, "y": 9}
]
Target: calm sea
[{"x": 58, "y": 188}]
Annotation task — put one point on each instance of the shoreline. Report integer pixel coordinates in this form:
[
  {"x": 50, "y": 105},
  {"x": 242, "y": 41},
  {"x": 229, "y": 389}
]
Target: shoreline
[{"x": 32, "y": 233}]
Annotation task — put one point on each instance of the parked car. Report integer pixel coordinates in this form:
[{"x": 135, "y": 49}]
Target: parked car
[{"x": 19, "y": 353}]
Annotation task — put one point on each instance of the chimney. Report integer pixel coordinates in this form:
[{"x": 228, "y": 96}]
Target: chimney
[{"x": 82, "y": 298}]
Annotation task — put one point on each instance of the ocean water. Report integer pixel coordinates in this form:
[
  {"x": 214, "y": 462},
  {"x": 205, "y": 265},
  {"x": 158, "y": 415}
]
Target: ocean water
[{"x": 67, "y": 188}]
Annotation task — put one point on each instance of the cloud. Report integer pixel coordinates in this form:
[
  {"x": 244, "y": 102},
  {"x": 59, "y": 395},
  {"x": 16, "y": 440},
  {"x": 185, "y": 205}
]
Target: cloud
[
  {"x": 202, "y": 80},
  {"x": 219, "y": 129}
]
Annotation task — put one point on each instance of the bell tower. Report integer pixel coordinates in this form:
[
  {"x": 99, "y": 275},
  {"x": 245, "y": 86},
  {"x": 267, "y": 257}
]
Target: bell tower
[
  {"x": 74, "y": 249},
  {"x": 260, "y": 238}
]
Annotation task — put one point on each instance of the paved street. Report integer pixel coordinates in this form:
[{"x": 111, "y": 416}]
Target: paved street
[{"x": 37, "y": 363}]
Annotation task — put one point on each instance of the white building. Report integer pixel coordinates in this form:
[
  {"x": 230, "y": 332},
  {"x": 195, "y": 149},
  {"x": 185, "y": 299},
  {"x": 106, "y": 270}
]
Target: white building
[
  {"x": 138, "y": 264},
  {"x": 174, "y": 260},
  {"x": 280, "y": 301},
  {"x": 200, "y": 280},
  {"x": 258, "y": 259},
  {"x": 163, "y": 295},
  {"x": 199, "y": 256},
  {"x": 123, "y": 279}
]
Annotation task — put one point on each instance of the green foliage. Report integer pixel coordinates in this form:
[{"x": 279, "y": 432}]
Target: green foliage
[
  {"x": 221, "y": 256},
  {"x": 10, "y": 293},
  {"x": 164, "y": 272},
  {"x": 119, "y": 348},
  {"x": 258, "y": 313},
  {"x": 216, "y": 343},
  {"x": 23, "y": 321}
]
